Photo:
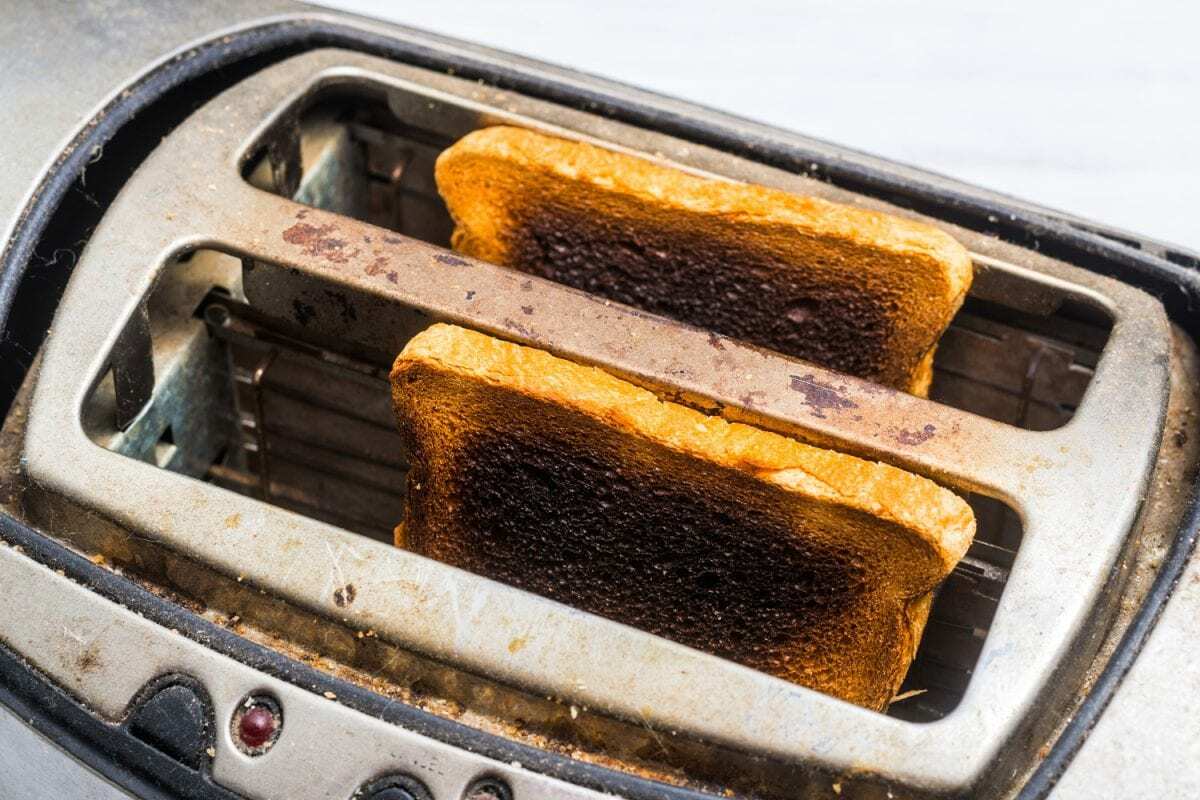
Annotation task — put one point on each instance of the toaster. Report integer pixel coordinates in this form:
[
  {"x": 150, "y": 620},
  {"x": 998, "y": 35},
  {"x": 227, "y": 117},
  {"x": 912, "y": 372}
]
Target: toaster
[{"x": 215, "y": 245}]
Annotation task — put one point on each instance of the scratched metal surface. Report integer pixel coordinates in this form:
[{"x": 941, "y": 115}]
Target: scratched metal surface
[
  {"x": 1076, "y": 515},
  {"x": 325, "y": 749}
]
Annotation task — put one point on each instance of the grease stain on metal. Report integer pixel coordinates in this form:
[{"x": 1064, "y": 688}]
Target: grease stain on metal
[
  {"x": 344, "y": 307},
  {"x": 303, "y": 312},
  {"x": 345, "y": 595}
]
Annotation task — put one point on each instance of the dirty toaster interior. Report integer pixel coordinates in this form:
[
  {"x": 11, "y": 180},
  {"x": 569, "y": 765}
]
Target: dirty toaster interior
[
  {"x": 306, "y": 421},
  {"x": 250, "y": 373}
]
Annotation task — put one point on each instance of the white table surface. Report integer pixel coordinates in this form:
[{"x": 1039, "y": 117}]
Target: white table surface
[{"x": 1091, "y": 108}]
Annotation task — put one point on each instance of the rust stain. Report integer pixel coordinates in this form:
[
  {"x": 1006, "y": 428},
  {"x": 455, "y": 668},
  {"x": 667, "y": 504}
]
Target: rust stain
[
  {"x": 451, "y": 261},
  {"x": 685, "y": 373},
  {"x": 517, "y": 645},
  {"x": 318, "y": 242},
  {"x": 915, "y": 438},
  {"x": 517, "y": 327},
  {"x": 820, "y": 397},
  {"x": 752, "y": 399},
  {"x": 233, "y": 520},
  {"x": 345, "y": 595}
]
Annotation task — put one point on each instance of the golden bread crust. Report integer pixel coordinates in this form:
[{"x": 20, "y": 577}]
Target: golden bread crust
[
  {"x": 543, "y": 473},
  {"x": 861, "y": 292}
]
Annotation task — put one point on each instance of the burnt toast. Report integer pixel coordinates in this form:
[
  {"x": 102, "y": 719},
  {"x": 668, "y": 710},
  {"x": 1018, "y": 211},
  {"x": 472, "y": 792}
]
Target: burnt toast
[
  {"x": 561, "y": 479},
  {"x": 860, "y": 292}
]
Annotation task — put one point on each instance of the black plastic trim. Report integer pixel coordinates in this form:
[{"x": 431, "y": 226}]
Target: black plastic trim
[
  {"x": 174, "y": 713},
  {"x": 397, "y": 786},
  {"x": 1174, "y": 281},
  {"x": 110, "y": 750}
]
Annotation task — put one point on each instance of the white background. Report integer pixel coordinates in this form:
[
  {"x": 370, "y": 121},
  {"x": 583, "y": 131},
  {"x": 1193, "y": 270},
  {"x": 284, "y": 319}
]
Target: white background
[{"x": 1093, "y": 107}]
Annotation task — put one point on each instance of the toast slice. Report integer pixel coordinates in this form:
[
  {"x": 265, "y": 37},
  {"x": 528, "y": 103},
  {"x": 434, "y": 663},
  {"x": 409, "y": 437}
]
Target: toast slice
[
  {"x": 856, "y": 291},
  {"x": 563, "y": 480}
]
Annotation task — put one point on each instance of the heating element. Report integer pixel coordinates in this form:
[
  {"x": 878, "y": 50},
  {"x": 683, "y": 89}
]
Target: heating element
[{"x": 212, "y": 414}]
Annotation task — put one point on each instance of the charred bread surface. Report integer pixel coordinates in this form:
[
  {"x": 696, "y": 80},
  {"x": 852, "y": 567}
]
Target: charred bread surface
[
  {"x": 563, "y": 480},
  {"x": 860, "y": 292}
]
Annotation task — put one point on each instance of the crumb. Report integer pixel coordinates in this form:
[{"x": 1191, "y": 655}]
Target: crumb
[{"x": 330, "y": 696}]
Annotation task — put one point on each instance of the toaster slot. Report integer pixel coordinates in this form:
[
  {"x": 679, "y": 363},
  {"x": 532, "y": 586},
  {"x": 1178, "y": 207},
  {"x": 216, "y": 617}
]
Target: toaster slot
[
  {"x": 1024, "y": 358},
  {"x": 290, "y": 419}
]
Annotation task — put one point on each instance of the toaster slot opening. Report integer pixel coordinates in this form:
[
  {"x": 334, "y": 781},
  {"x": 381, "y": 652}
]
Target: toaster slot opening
[
  {"x": 1022, "y": 357},
  {"x": 263, "y": 407}
]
